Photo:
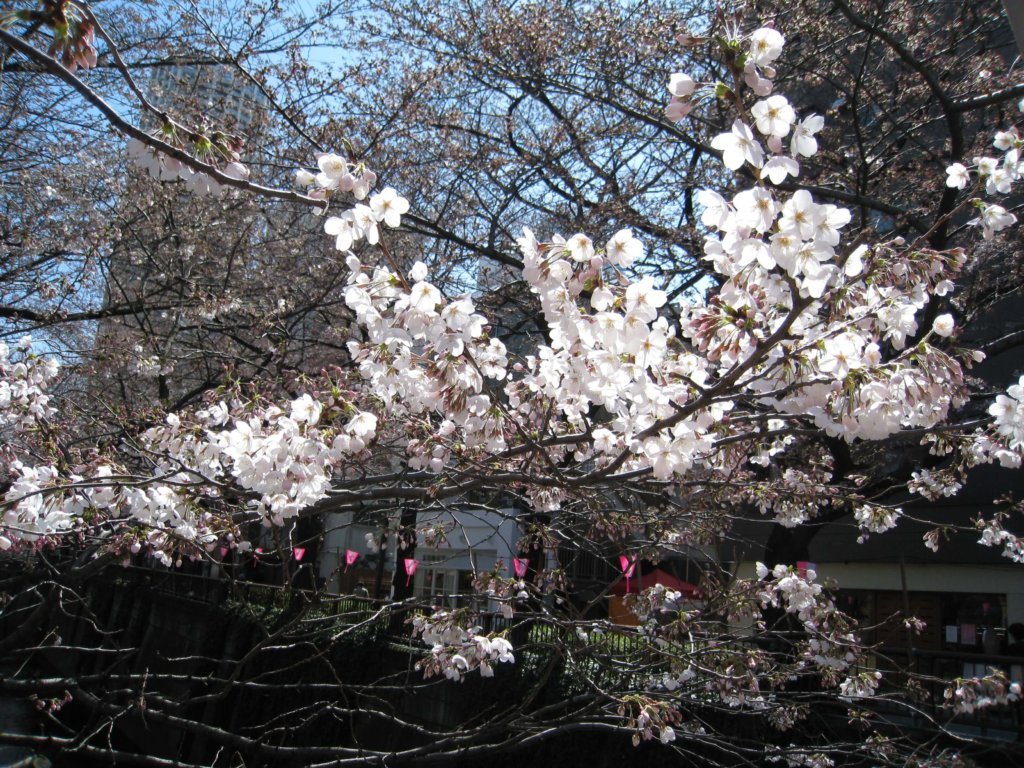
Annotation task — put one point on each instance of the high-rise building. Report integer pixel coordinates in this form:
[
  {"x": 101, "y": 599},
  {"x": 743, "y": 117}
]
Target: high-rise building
[
  {"x": 200, "y": 92},
  {"x": 181, "y": 261}
]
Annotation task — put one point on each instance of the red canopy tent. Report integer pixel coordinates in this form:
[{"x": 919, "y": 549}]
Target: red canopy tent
[{"x": 657, "y": 576}]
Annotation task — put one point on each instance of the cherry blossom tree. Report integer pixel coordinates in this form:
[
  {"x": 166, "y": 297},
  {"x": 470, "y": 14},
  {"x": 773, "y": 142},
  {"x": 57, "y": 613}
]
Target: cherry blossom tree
[{"x": 647, "y": 417}]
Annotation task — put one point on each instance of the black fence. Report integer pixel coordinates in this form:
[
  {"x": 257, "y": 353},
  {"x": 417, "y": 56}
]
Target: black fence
[{"x": 609, "y": 642}]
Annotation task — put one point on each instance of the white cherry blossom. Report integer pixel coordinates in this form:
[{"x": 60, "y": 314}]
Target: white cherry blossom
[
  {"x": 739, "y": 146},
  {"x": 681, "y": 85},
  {"x": 957, "y": 176},
  {"x": 766, "y": 46},
  {"x": 803, "y": 141},
  {"x": 773, "y": 116},
  {"x": 388, "y": 207}
]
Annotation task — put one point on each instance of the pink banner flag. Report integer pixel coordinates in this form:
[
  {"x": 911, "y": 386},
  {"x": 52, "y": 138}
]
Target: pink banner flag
[
  {"x": 802, "y": 567},
  {"x": 350, "y": 558},
  {"x": 223, "y": 552},
  {"x": 628, "y": 566},
  {"x": 520, "y": 564},
  {"x": 299, "y": 552},
  {"x": 410, "y": 568}
]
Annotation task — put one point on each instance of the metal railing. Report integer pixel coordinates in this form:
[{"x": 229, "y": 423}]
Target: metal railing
[
  {"x": 935, "y": 668},
  {"x": 938, "y": 668}
]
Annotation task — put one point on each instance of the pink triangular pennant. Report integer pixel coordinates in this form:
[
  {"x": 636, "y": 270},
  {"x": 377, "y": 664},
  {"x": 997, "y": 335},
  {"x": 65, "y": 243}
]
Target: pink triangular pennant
[
  {"x": 628, "y": 566},
  {"x": 410, "y": 568},
  {"x": 350, "y": 558},
  {"x": 520, "y": 564},
  {"x": 299, "y": 552}
]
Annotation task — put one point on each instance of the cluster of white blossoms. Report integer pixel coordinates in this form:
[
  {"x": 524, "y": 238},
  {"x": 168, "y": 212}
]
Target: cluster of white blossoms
[
  {"x": 1008, "y": 413},
  {"x": 456, "y": 650},
  {"x": 362, "y": 221},
  {"x": 165, "y": 168},
  {"x": 876, "y": 518},
  {"x": 31, "y": 514},
  {"x": 24, "y": 380},
  {"x": 337, "y": 175},
  {"x": 763, "y": 47},
  {"x": 800, "y": 757},
  {"x": 788, "y": 589},
  {"x": 799, "y": 332},
  {"x": 993, "y": 534},
  {"x": 285, "y": 461},
  {"x": 655, "y": 719},
  {"x": 969, "y": 694},
  {"x": 997, "y": 176},
  {"x": 831, "y": 644},
  {"x": 655, "y": 600},
  {"x": 426, "y": 355},
  {"x": 861, "y": 685},
  {"x": 933, "y": 485},
  {"x": 781, "y": 256},
  {"x": 42, "y": 502},
  {"x": 148, "y": 366},
  {"x": 618, "y": 354}
]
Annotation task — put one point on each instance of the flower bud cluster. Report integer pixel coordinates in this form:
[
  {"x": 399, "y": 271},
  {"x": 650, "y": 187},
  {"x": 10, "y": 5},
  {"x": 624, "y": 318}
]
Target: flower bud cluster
[
  {"x": 794, "y": 498},
  {"x": 455, "y": 649},
  {"x": 785, "y": 718},
  {"x": 504, "y": 591},
  {"x": 165, "y": 168},
  {"x": 933, "y": 485},
  {"x": 969, "y": 694},
  {"x": 831, "y": 646},
  {"x": 876, "y": 518},
  {"x": 651, "y": 719},
  {"x": 653, "y": 601},
  {"x": 993, "y": 534},
  {"x": 72, "y": 33}
]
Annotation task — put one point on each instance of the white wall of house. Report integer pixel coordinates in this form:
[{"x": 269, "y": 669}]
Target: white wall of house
[
  {"x": 470, "y": 531},
  {"x": 475, "y": 539}
]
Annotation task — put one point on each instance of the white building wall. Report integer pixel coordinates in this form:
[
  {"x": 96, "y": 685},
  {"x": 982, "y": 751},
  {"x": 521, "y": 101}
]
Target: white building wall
[{"x": 475, "y": 539}]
